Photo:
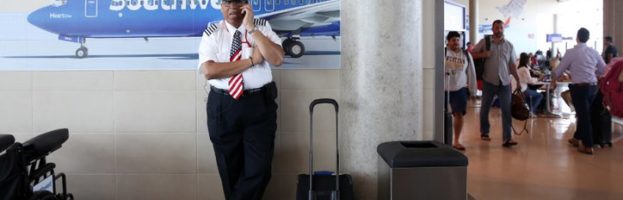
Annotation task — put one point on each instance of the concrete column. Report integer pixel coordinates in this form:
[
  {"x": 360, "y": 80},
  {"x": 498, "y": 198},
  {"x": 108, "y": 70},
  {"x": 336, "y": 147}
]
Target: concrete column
[
  {"x": 613, "y": 13},
  {"x": 381, "y": 83},
  {"x": 555, "y": 26},
  {"x": 473, "y": 21}
]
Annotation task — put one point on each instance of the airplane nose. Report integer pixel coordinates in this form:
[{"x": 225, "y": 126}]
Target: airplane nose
[{"x": 37, "y": 18}]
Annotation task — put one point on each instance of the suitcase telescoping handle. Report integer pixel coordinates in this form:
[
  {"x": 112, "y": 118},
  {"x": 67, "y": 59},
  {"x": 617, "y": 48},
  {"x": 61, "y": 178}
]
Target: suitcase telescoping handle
[{"x": 311, "y": 147}]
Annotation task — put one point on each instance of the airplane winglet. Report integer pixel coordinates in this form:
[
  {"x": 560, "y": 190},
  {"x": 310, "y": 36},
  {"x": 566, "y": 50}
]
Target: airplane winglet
[{"x": 507, "y": 22}]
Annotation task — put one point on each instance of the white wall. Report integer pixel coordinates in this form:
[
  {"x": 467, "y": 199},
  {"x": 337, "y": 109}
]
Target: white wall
[
  {"x": 528, "y": 31},
  {"x": 143, "y": 134}
]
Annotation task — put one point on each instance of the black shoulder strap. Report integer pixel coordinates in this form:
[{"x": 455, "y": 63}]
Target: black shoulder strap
[
  {"x": 467, "y": 56},
  {"x": 488, "y": 42}
]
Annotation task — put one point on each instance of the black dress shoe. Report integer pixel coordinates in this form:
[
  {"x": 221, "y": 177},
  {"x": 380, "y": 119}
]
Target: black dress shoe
[
  {"x": 509, "y": 143},
  {"x": 574, "y": 142},
  {"x": 585, "y": 150}
]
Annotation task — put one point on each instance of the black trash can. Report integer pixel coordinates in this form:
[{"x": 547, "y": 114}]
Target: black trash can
[{"x": 412, "y": 170}]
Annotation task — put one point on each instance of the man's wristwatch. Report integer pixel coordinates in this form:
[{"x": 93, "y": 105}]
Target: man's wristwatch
[{"x": 253, "y": 30}]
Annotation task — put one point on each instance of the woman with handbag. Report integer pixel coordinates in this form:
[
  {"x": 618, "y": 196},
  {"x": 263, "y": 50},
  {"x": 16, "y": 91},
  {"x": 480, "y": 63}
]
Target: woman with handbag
[{"x": 529, "y": 84}]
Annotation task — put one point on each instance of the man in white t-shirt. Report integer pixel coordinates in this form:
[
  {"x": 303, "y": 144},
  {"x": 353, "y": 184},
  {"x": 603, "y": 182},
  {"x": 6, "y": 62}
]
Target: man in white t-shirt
[{"x": 459, "y": 75}]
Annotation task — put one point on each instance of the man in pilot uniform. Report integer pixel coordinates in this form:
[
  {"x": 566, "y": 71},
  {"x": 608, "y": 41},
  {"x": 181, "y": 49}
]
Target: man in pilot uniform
[{"x": 235, "y": 56}]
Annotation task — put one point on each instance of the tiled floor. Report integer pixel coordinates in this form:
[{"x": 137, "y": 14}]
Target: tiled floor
[{"x": 542, "y": 166}]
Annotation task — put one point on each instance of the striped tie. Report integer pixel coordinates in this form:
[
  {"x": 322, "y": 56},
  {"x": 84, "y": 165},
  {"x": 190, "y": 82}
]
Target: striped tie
[{"x": 235, "y": 82}]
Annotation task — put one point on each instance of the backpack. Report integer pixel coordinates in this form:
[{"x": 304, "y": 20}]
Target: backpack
[
  {"x": 479, "y": 64},
  {"x": 611, "y": 86}
]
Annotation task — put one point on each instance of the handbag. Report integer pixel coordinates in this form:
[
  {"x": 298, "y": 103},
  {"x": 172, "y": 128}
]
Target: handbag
[{"x": 519, "y": 109}]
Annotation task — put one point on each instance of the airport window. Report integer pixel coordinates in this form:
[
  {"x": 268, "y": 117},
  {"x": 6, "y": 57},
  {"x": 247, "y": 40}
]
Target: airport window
[
  {"x": 278, "y": 2},
  {"x": 293, "y": 2},
  {"x": 285, "y": 2}
]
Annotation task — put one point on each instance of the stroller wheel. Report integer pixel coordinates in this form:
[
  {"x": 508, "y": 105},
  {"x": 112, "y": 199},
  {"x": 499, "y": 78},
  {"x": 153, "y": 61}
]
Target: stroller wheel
[{"x": 43, "y": 195}]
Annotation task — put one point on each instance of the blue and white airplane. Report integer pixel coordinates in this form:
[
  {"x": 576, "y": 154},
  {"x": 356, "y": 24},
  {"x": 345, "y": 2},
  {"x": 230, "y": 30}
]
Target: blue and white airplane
[{"x": 76, "y": 20}]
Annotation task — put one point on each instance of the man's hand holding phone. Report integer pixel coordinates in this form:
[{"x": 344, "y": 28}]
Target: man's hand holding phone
[{"x": 247, "y": 11}]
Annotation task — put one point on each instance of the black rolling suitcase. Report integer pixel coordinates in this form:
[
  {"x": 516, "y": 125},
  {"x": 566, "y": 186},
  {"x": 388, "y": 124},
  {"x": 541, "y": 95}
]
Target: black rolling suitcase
[
  {"x": 323, "y": 183},
  {"x": 601, "y": 121}
]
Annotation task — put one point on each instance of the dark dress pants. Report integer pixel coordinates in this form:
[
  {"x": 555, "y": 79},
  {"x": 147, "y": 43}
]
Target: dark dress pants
[
  {"x": 242, "y": 133},
  {"x": 582, "y": 97}
]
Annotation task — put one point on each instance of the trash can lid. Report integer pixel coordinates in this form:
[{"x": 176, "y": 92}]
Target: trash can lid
[{"x": 405, "y": 154}]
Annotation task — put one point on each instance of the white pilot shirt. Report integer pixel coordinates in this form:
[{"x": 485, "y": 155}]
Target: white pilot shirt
[{"x": 216, "y": 47}]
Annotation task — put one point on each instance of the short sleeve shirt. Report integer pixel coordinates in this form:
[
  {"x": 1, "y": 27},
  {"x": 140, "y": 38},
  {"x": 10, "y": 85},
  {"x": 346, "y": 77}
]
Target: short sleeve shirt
[
  {"x": 216, "y": 43},
  {"x": 496, "y": 67}
]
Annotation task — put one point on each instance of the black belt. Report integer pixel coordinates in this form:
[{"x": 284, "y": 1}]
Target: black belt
[
  {"x": 584, "y": 84},
  {"x": 247, "y": 92}
]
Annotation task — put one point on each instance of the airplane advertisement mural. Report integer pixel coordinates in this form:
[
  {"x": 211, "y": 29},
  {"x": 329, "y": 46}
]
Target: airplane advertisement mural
[{"x": 155, "y": 33}]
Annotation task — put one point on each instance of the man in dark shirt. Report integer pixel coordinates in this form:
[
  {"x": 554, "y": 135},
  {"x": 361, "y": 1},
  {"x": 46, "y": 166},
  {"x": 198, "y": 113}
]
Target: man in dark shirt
[{"x": 610, "y": 51}]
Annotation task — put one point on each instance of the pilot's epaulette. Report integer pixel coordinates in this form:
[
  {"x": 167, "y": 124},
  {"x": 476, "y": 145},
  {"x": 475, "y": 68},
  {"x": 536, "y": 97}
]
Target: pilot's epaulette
[
  {"x": 210, "y": 29},
  {"x": 259, "y": 22}
]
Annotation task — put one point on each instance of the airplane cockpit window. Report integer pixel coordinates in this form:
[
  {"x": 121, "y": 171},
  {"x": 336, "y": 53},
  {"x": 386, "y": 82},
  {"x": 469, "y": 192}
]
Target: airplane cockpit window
[
  {"x": 57, "y": 3},
  {"x": 116, "y": 3}
]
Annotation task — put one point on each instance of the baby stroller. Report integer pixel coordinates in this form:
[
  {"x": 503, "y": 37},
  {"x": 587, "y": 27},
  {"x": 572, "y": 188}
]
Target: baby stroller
[{"x": 24, "y": 172}]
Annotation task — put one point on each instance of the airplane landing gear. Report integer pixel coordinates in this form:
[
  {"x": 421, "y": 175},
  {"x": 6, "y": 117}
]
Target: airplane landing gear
[
  {"x": 82, "y": 52},
  {"x": 293, "y": 47}
]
